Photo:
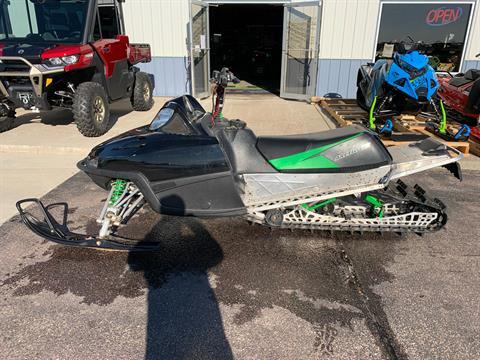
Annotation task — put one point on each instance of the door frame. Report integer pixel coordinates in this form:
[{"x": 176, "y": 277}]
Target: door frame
[
  {"x": 205, "y": 4},
  {"x": 312, "y": 88}
]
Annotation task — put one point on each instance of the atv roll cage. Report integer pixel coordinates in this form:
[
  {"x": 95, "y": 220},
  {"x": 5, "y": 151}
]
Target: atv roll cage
[{"x": 48, "y": 21}]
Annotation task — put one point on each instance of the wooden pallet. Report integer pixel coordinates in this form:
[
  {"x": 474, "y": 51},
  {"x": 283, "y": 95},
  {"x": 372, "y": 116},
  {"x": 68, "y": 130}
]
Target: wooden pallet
[
  {"x": 343, "y": 111},
  {"x": 474, "y": 147},
  {"x": 347, "y": 112}
]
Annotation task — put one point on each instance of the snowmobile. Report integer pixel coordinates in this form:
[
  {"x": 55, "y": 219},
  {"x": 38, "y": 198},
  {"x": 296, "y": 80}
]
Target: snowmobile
[
  {"x": 190, "y": 163},
  {"x": 390, "y": 86},
  {"x": 461, "y": 94}
]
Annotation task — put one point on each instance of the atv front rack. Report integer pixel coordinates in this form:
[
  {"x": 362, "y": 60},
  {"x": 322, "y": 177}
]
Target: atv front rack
[{"x": 50, "y": 229}]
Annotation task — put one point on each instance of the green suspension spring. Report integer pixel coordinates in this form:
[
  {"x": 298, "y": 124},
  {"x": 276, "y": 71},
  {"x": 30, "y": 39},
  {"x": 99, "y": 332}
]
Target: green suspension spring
[{"x": 118, "y": 187}]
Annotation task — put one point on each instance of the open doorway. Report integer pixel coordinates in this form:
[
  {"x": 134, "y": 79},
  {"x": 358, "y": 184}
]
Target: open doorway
[{"x": 248, "y": 40}]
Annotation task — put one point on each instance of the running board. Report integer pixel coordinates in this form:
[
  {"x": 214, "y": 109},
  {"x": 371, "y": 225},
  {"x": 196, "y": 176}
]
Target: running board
[
  {"x": 424, "y": 155},
  {"x": 50, "y": 229}
]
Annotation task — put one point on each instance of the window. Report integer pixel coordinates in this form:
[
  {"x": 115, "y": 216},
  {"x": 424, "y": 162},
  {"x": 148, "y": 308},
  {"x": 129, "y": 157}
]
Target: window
[
  {"x": 438, "y": 30},
  {"x": 109, "y": 26},
  {"x": 109, "y": 21},
  {"x": 60, "y": 21}
]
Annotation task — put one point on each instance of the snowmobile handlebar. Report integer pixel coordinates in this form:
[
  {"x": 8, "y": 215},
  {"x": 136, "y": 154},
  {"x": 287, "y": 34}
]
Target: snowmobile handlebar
[{"x": 223, "y": 77}]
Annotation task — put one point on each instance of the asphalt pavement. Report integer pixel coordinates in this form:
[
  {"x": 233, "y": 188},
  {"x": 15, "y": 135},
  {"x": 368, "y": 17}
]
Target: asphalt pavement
[{"x": 221, "y": 288}]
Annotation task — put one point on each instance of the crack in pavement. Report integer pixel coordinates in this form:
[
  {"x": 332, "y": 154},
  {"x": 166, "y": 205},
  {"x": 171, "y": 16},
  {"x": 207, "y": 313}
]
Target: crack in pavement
[{"x": 376, "y": 318}]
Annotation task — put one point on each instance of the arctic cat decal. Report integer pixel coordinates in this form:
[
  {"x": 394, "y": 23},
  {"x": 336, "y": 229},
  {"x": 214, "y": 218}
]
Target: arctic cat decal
[{"x": 311, "y": 159}]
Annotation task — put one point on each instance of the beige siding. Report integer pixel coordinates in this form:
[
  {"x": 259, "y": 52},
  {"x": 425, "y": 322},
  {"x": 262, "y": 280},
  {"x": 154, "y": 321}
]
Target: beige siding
[
  {"x": 348, "y": 29},
  {"x": 161, "y": 23},
  {"x": 474, "y": 41}
]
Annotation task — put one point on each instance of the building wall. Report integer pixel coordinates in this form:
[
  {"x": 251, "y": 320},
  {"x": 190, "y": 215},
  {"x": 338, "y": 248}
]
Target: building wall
[
  {"x": 347, "y": 39},
  {"x": 163, "y": 25},
  {"x": 471, "y": 62}
]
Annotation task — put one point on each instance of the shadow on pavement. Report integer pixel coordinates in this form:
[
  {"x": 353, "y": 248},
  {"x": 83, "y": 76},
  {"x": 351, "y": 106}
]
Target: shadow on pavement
[
  {"x": 184, "y": 319},
  {"x": 62, "y": 117}
]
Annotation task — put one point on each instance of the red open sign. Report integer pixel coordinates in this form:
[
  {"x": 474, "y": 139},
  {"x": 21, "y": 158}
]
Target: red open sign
[{"x": 443, "y": 16}]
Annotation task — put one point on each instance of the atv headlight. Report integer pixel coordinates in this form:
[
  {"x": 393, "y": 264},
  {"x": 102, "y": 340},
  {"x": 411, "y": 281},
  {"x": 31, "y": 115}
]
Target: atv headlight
[
  {"x": 56, "y": 61},
  {"x": 72, "y": 59},
  {"x": 64, "y": 60}
]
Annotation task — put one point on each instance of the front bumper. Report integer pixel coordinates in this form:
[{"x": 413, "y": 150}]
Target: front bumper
[{"x": 25, "y": 87}]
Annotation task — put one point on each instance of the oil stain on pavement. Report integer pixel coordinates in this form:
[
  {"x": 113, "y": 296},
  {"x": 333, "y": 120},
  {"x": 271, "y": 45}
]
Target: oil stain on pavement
[{"x": 215, "y": 282}]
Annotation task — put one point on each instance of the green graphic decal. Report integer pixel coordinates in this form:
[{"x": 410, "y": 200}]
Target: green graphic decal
[{"x": 310, "y": 159}]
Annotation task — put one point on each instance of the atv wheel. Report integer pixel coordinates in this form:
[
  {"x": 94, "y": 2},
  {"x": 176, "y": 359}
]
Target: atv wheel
[
  {"x": 142, "y": 93},
  {"x": 91, "y": 109},
  {"x": 6, "y": 122}
]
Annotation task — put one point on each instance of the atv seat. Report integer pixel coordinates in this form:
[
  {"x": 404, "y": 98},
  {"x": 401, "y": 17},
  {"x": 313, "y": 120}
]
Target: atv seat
[{"x": 280, "y": 146}]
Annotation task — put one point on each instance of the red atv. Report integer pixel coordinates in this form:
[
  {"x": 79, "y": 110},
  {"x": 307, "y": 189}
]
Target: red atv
[
  {"x": 461, "y": 93},
  {"x": 69, "y": 54}
]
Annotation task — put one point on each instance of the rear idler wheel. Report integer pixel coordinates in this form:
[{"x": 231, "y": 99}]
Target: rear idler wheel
[{"x": 274, "y": 217}]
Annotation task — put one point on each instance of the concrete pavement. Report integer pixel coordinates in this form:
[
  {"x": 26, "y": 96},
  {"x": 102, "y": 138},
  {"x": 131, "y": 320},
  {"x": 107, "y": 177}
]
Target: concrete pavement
[{"x": 222, "y": 289}]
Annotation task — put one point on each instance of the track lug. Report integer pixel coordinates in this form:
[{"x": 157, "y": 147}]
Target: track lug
[
  {"x": 419, "y": 189},
  {"x": 440, "y": 203},
  {"x": 401, "y": 184}
]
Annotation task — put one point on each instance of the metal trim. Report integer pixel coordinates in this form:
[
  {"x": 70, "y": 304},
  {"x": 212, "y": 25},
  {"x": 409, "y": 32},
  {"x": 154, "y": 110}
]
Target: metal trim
[
  {"x": 311, "y": 89},
  {"x": 34, "y": 73},
  {"x": 206, "y": 5}
]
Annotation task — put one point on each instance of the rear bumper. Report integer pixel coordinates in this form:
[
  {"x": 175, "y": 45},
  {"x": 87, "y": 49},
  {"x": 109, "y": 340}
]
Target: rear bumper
[
  {"x": 33, "y": 77},
  {"x": 424, "y": 155}
]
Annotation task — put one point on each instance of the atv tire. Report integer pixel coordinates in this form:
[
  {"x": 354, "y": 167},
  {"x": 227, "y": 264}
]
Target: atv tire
[
  {"x": 142, "y": 99},
  {"x": 91, "y": 110},
  {"x": 6, "y": 122}
]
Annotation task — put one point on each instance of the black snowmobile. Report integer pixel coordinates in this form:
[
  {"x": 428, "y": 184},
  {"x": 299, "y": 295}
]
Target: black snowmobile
[{"x": 186, "y": 163}]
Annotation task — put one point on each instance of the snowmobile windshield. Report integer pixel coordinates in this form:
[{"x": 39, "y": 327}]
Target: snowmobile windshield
[
  {"x": 170, "y": 121},
  {"x": 43, "y": 21},
  {"x": 411, "y": 70}
]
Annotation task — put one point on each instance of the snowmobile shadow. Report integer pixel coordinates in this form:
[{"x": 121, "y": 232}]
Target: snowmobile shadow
[
  {"x": 184, "y": 319},
  {"x": 183, "y": 316}
]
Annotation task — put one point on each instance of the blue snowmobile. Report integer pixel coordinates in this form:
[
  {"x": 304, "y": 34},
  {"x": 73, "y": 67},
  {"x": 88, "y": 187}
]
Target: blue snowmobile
[{"x": 388, "y": 87}]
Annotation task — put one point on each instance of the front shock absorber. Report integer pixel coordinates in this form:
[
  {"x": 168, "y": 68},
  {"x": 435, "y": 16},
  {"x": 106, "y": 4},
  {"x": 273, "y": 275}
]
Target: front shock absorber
[
  {"x": 118, "y": 188},
  {"x": 442, "y": 126}
]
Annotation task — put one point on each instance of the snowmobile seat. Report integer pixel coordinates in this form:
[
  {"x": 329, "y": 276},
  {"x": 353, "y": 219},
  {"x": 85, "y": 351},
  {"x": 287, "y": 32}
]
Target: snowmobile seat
[
  {"x": 470, "y": 75},
  {"x": 273, "y": 147}
]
